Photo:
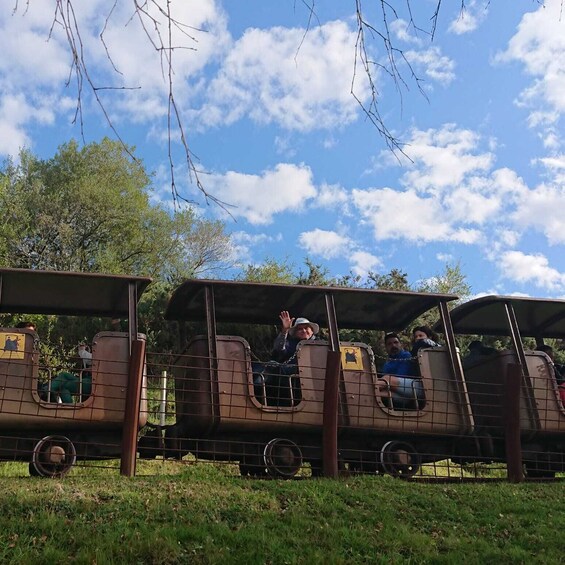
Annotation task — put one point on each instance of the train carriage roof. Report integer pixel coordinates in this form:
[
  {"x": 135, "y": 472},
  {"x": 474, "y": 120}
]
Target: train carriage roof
[
  {"x": 259, "y": 303},
  {"x": 28, "y": 291},
  {"x": 487, "y": 316}
]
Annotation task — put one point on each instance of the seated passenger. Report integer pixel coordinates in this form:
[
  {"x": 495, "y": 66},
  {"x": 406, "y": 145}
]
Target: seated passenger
[
  {"x": 477, "y": 352},
  {"x": 67, "y": 384},
  {"x": 86, "y": 357},
  {"x": 407, "y": 390},
  {"x": 27, "y": 325},
  {"x": 423, "y": 337},
  {"x": 293, "y": 331},
  {"x": 275, "y": 383}
]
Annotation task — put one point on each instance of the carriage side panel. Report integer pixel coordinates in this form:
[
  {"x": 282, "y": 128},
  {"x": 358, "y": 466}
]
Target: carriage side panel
[
  {"x": 544, "y": 388},
  {"x": 485, "y": 382}
]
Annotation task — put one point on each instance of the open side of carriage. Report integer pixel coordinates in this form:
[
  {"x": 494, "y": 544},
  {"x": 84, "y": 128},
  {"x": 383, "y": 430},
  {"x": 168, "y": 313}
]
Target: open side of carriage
[
  {"x": 332, "y": 405},
  {"x": 541, "y": 412},
  {"x": 35, "y": 424}
]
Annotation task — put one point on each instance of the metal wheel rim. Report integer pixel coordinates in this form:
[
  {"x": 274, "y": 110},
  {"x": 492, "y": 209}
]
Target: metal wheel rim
[
  {"x": 282, "y": 457},
  {"x": 53, "y": 456},
  {"x": 399, "y": 459}
]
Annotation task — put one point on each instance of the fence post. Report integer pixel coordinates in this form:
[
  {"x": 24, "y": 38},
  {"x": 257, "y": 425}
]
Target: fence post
[
  {"x": 131, "y": 415},
  {"x": 163, "y": 410},
  {"x": 511, "y": 411},
  {"x": 331, "y": 414}
]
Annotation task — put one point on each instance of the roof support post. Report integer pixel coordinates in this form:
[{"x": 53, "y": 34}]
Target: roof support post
[
  {"x": 132, "y": 314},
  {"x": 331, "y": 394},
  {"x": 131, "y": 415},
  {"x": 456, "y": 368},
  {"x": 529, "y": 393},
  {"x": 212, "y": 351}
]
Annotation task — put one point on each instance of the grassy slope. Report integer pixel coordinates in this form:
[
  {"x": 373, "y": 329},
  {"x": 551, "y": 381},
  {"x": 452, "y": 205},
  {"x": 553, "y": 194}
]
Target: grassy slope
[{"x": 203, "y": 514}]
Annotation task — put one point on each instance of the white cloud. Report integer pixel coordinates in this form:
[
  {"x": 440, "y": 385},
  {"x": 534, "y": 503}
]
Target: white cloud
[
  {"x": 285, "y": 146},
  {"x": 470, "y": 18},
  {"x": 466, "y": 205},
  {"x": 508, "y": 238},
  {"x": 257, "y": 198},
  {"x": 404, "y": 31},
  {"x": 22, "y": 39},
  {"x": 362, "y": 262},
  {"x": 436, "y": 66},
  {"x": 299, "y": 81},
  {"x": 36, "y": 59},
  {"x": 555, "y": 166},
  {"x": 326, "y": 244},
  {"x": 539, "y": 45},
  {"x": 17, "y": 111},
  {"x": 542, "y": 209},
  {"x": 406, "y": 215},
  {"x": 199, "y": 41},
  {"x": 32, "y": 73},
  {"x": 443, "y": 157},
  {"x": 444, "y": 257},
  {"x": 243, "y": 244},
  {"x": 534, "y": 269},
  {"x": 506, "y": 183},
  {"x": 332, "y": 196},
  {"x": 448, "y": 192}
]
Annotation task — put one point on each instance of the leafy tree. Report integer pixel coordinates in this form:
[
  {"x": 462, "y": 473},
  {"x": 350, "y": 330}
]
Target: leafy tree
[
  {"x": 270, "y": 271},
  {"x": 451, "y": 280},
  {"x": 90, "y": 210},
  {"x": 317, "y": 275},
  {"x": 394, "y": 280}
]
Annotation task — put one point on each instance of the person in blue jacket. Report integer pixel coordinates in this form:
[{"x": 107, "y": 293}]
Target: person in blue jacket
[{"x": 399, "y": 371}]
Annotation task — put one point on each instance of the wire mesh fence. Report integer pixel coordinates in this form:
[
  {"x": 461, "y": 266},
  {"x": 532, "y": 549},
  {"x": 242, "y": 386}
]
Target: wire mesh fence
[{"x": 264, "y": 419}]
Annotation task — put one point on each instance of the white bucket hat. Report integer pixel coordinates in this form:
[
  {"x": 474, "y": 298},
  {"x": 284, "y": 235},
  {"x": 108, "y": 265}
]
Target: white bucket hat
[{"x": 304, "y": 322}]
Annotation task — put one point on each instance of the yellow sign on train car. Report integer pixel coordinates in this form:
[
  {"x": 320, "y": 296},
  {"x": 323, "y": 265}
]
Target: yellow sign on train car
[
  {"x": 351, "y": 358},
  {"x": 12, "y": 345}
]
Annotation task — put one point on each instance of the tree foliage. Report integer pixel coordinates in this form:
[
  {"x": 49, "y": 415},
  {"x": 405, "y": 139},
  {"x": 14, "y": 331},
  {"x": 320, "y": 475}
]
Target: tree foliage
[
  {"x": 270, "y": 271},
  {"x": 451, "y": 280},
  {"x": 89, "y": 209}
]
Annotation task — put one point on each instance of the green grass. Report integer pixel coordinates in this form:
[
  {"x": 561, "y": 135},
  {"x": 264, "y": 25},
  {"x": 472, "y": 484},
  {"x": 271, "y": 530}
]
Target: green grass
[{"x": 205, "y": 514}]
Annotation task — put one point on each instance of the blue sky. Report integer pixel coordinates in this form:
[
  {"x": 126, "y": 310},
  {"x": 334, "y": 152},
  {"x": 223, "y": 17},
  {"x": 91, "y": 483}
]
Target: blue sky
[{"x": 268, "y": 111}]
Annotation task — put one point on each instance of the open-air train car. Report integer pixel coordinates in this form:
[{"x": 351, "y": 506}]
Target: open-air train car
[
  {"x": 35, "y": 425},
  {"x": 223, "y": 414},
  {"x": 541, "y": 412}
]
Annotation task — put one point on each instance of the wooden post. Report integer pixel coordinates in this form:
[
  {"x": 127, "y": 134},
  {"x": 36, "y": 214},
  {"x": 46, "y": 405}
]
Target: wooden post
[
  {"x": 331, "y": 413},
  {"x": 131, "y": 416},
  {"x": 511, "y": 411},
  {"x": 163, "y": 411}
]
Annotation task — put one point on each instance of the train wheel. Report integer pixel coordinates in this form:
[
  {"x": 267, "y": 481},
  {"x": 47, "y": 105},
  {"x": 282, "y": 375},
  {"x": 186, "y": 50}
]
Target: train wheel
[
  {"x": 282, "y": 458},
  {"x": 399, "y": 459},
  {"x": 53, "y": 456}
]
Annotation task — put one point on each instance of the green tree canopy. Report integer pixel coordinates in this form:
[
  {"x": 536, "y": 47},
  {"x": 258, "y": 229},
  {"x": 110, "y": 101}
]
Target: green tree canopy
[{"x": 90, "y": 209}]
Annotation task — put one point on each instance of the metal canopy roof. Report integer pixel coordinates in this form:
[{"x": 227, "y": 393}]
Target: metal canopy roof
[
  {"x": 486, "y": 316},
  {"x": 261, "y": 304},
  {"x": 75, "y": 294}
]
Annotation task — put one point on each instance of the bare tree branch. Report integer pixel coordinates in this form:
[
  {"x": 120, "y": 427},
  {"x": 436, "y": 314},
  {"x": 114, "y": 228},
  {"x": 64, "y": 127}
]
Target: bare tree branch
[{"x": 160, "y": 28}]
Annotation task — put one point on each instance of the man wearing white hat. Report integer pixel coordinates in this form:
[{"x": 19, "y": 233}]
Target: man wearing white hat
[{"x": 293, "y": 331}]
